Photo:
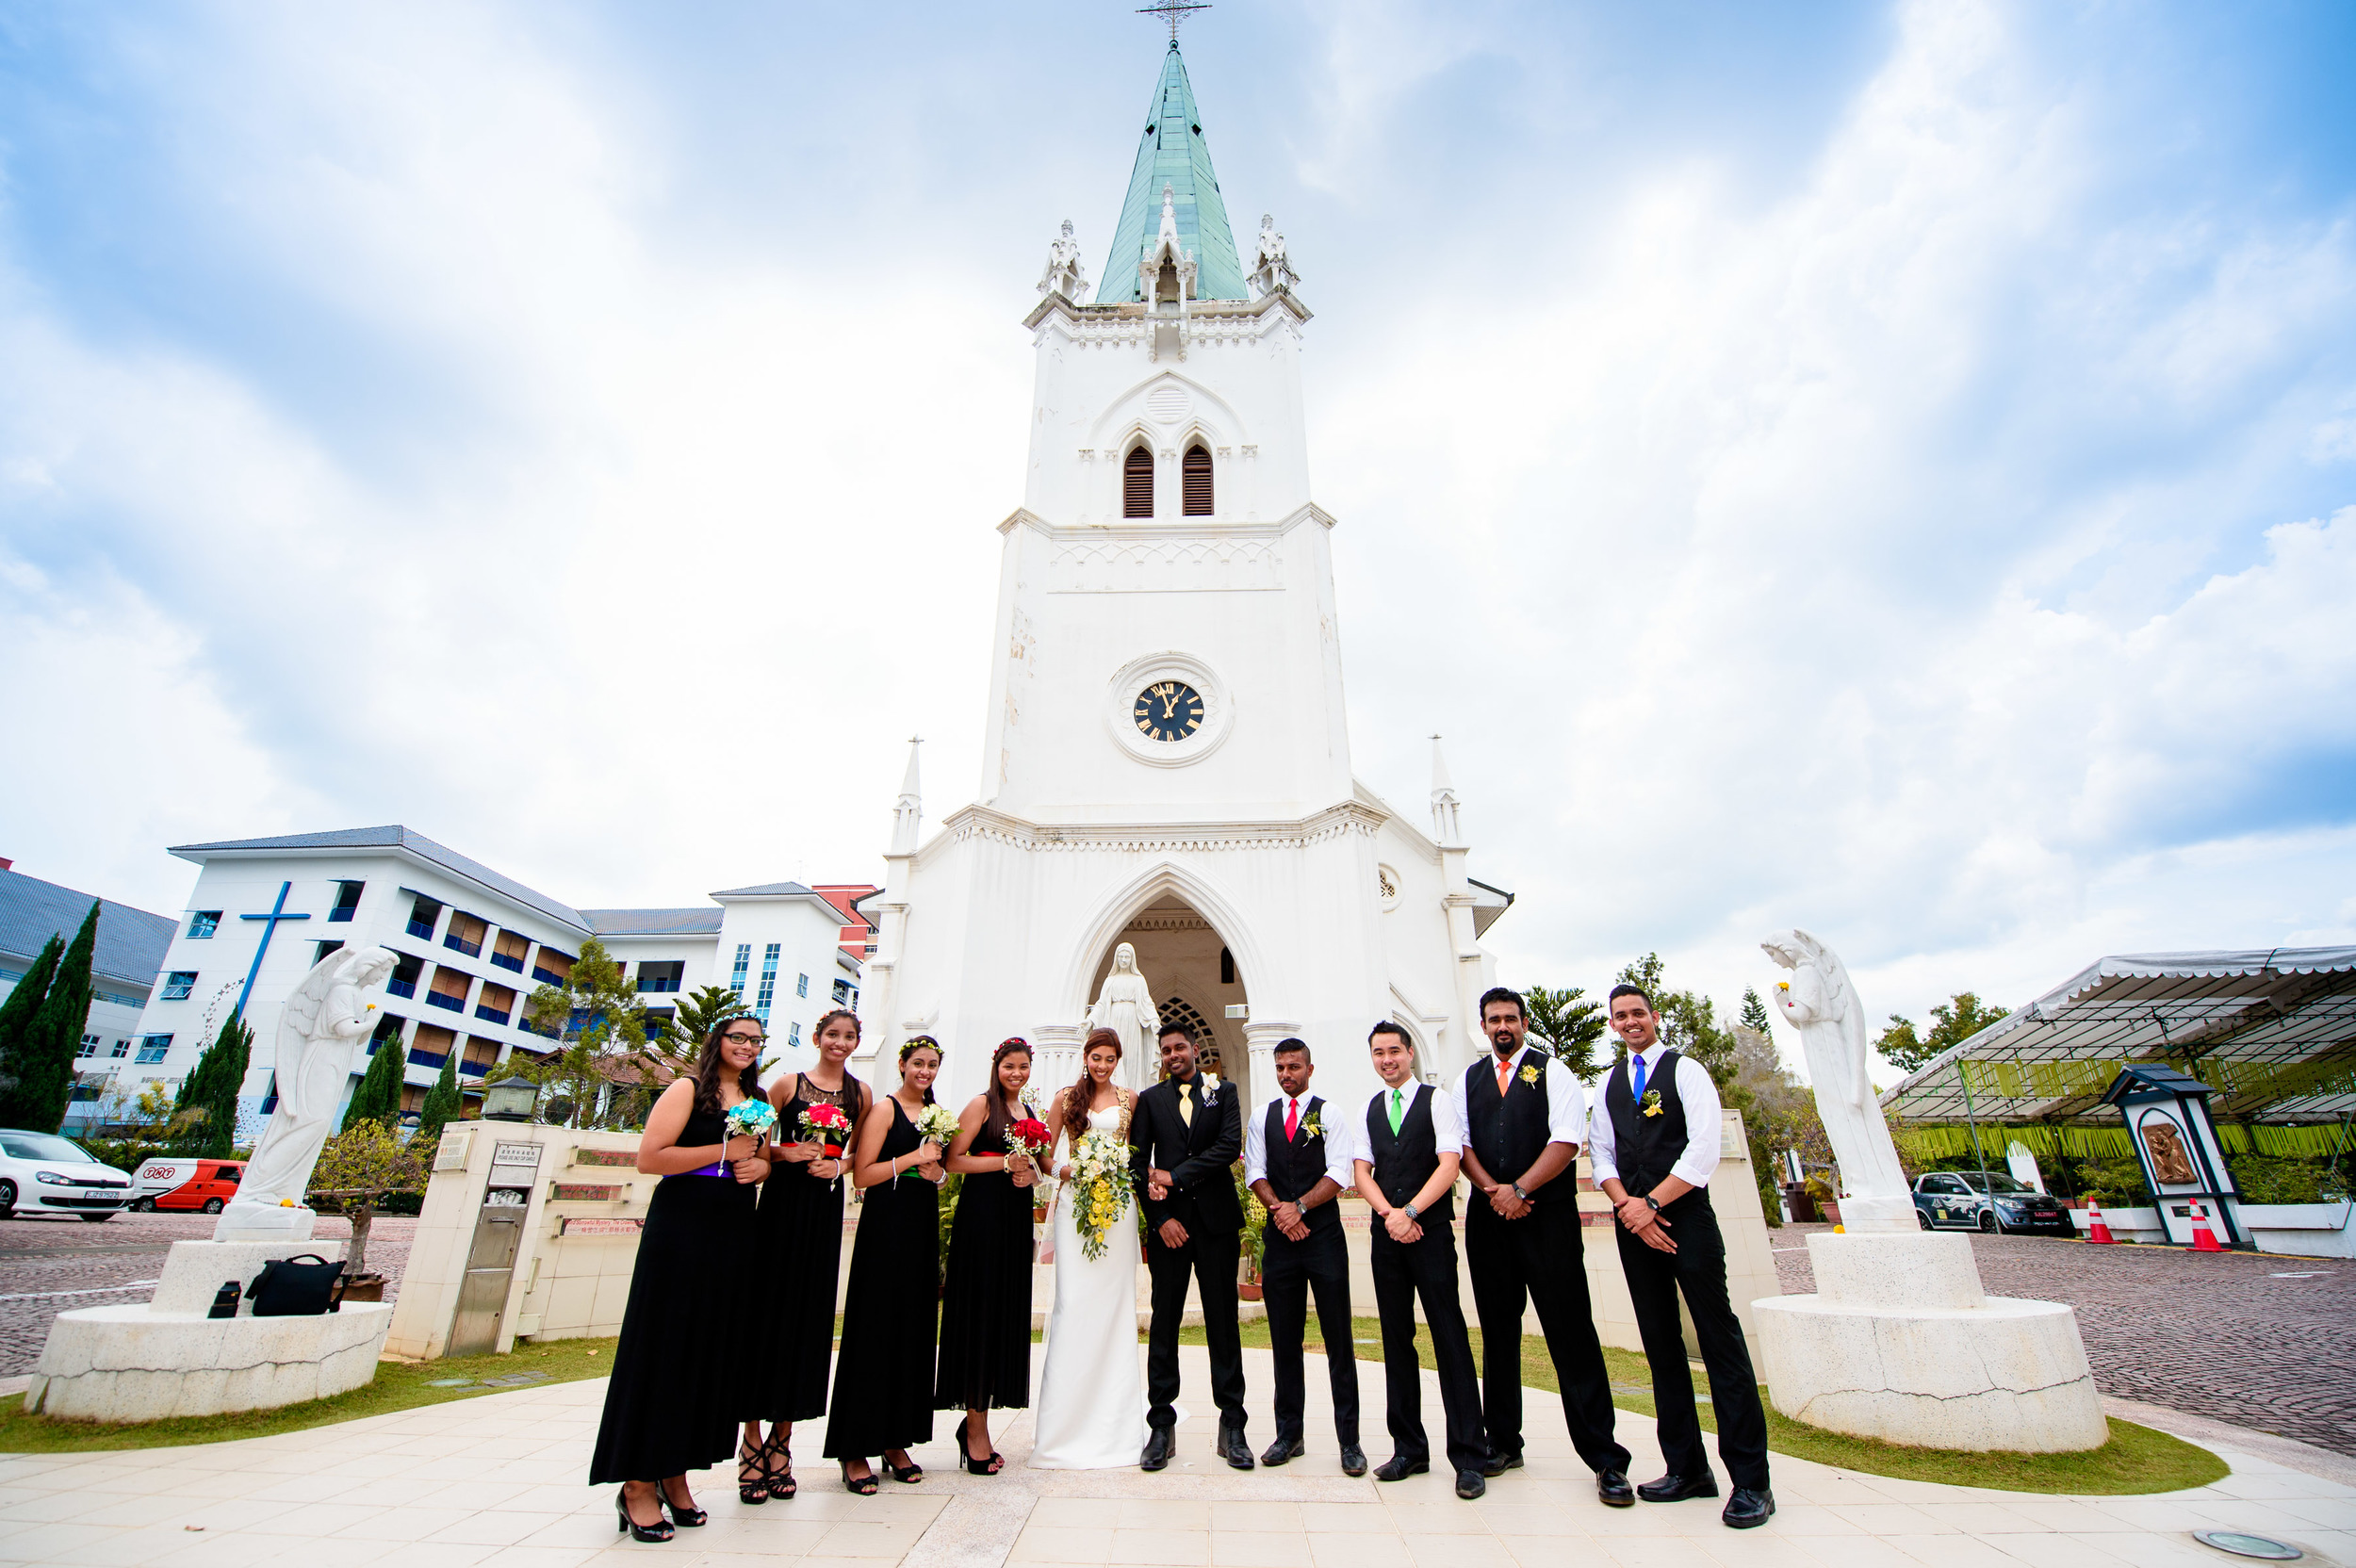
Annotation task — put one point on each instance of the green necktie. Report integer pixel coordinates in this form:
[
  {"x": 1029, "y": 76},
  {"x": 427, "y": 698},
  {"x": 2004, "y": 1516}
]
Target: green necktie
[{"x": 1397, "y": 1116}]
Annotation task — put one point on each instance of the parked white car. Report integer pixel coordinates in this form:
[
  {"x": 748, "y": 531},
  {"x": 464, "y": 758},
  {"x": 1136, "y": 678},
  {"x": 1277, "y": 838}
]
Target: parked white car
[{"x": 43, "y": 1173}]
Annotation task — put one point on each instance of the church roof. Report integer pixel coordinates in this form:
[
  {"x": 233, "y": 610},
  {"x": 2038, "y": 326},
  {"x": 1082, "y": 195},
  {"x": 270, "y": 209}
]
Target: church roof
[{"x": 1173, "y": 153}]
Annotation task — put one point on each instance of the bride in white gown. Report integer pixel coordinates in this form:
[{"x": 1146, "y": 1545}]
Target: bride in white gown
[{"x": 1090, "y": 1410}]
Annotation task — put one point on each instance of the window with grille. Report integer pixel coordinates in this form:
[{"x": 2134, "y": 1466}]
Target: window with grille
[
  {"x": 1197, "y": 475},
  {"x": 1136, "y": 484}
]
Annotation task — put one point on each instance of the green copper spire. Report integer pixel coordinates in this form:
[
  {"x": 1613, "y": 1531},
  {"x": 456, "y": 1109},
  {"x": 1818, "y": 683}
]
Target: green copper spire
[{"x": 1173, "y": 154}]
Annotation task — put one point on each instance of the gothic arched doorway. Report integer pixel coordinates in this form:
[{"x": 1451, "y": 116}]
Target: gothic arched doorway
[{"x": 1194, "y": 978}]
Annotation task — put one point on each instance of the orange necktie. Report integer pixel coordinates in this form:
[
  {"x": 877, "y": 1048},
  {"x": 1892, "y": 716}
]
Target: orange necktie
[{"x": 1505, "y": 1075}]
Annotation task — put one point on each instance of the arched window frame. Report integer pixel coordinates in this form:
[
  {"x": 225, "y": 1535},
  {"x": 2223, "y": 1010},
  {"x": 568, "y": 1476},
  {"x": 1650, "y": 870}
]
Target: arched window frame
[
  {"x": 1137, "y": 481},
  {"x": 1198, "y": 481}
]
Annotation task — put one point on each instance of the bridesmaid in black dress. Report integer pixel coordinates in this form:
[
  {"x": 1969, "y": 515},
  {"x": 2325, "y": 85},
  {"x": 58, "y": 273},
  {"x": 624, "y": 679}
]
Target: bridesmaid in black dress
[
  {"x": 800, "y": 1228},
  {"x": 985, "y": 1306},
  {"x": 672, "y": 1403},
  {"x": 883, "y": 1383}
]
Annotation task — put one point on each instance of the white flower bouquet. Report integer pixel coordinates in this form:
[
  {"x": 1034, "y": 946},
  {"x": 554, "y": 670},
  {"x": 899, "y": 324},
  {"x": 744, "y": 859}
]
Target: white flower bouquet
[{"x": 1099, "y": 1189}]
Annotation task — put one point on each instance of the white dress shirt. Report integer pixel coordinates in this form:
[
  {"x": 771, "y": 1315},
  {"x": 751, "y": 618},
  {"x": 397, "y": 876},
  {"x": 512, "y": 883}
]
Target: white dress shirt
[
  {"x": 1703, "y": 1130},
  {"x": 1447, "y": 1121},
  {"x": 1337, "y": 1144},
  {"x": 1566, "y": 1096}
]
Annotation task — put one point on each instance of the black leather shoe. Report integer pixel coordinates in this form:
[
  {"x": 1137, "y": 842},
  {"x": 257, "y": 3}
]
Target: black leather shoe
[
  {"x": 1469, "y": 1484},
  {"x": 1397, "y": 1469},
  {"x": 1232, "y": 1448},
  {"x": 1354, "y": 1459},
  {"x": 1498, "y": 1464},
  {"x": 1280, "y": 1450},
  {"x": 1675, "y": 1489},
  {"x": 1158, "y": 1445},
  {"x": 1748, "y": 1508},
  {"x": 1612, "y": 1488}
]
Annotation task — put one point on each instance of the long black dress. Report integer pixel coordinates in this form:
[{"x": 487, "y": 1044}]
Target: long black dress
[
  {"x": 800, "y": 1241},
  {"x": 883, "y": 1374},
  {"x": 675, "y": 1399},
  {"x": 986, "y": 1309}
]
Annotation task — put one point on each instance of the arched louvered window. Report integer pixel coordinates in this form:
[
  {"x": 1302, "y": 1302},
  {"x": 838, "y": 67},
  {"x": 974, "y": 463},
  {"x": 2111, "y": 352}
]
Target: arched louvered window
[
  {"x": 1197, "y": 473},
  {"x": 1136, "y": 484}
]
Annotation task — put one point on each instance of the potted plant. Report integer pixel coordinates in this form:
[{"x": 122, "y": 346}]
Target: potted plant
[
  {"x": 357, "y": 1170},
  {"x": 1254, "y": 1240},
  {"x": 1828, "y": 1209}
]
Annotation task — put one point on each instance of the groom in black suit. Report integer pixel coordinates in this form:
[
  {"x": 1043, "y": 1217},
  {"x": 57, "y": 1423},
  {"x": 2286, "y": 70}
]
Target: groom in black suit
[{"x": 1184, "y": 1137}]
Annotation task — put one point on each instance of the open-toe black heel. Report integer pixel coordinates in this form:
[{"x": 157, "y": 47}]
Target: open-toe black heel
[
  {"x": 781, "y": 1482},
  {"x": 906, "y": 1475},
  {"x": 686, "y": 1517},
  {"x": 865, "y": 1486},
  {"x": 990, "y": 1466},
  {"x": 659, "y": 1531},
  {"x": 752, "y": 1473}
]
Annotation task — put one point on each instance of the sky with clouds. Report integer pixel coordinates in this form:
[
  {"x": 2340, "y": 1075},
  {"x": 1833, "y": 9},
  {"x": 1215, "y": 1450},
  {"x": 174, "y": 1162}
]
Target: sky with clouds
[{"x": 1885, "y": 468}]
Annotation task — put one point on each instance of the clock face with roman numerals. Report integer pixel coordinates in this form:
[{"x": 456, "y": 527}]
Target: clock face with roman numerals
[{"x": 1167, "y": 710}]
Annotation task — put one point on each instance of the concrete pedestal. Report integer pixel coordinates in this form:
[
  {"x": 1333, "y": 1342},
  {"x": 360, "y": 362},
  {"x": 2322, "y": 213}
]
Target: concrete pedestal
[
  {"x": 1902, "y": 1344},
  {"x": 134, "y": 1363},
  {"x": 244, "y": 1221}
]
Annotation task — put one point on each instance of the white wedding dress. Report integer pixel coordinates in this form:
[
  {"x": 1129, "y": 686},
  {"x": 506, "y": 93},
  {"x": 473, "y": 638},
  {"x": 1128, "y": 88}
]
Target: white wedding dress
[{"x": 1090, "y": 1410}]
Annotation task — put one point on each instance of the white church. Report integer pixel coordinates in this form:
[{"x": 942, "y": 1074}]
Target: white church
[{"x": 1166, "y": 760}]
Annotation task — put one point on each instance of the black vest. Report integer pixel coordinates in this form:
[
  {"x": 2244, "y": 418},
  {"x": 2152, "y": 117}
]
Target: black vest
[
  {"x": 1506, "y": 1131},
  {"x": 1645, "y": 1146},
  {"x": 1404, "y": 1161},
  {"x": 1293, "y": 1167}
]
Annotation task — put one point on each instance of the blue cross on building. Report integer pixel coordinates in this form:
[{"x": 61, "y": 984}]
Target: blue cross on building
[{"x": 277, "y": 913}]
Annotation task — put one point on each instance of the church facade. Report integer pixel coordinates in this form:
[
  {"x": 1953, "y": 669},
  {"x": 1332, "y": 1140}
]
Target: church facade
[{"x": 1167, "y": 760}]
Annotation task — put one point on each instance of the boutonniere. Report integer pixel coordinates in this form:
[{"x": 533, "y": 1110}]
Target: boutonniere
[
  {"x": 1651, "y": 1103},
  {"x": 1207, "y": 1083},
  {"x": 1530, "y": 1073},
  {"x": 1312, "y": 1126}
]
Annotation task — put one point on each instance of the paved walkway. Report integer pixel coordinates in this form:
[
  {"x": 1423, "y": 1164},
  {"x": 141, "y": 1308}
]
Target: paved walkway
[
  {"x": 2255, "y": 1339},
  {"x": 498, "y": 1480}
]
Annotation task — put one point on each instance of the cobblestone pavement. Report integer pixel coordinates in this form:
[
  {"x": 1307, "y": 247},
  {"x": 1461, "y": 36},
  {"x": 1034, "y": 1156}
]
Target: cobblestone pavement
[
  {"x": 54, "y": 1262},
  {"x": 2256, "y": 1339}
]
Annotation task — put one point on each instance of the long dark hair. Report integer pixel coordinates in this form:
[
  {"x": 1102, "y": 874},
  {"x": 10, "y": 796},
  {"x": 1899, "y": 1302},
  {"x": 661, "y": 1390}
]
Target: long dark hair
[
  {"x": 1001, "y": 1115},
  {"x": 921, "y": 1042},
  {"x": 1076, "y": 1099},
  {"x": 709, "y": 1065}
]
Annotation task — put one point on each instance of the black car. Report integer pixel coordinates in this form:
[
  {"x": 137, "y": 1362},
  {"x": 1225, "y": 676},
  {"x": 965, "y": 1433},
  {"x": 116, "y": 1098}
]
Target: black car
[{"x": 1968, "y": 1200}]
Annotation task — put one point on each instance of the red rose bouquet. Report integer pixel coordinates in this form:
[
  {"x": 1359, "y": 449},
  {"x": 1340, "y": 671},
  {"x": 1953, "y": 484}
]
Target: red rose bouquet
[
  {"x": 1030, "y": 1138},
  {"x": 826, "y": 1126}
]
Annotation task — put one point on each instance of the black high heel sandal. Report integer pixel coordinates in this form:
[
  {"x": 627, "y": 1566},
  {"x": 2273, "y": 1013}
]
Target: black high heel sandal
[
  {"x": 781, "y": 1482},
  {"x": 686, "y": 1518},
  {"x": 906, "y": 1475},
  {"x": 659, "y": 1531},
  {"x": 990, "y": 1466},
  {"x": 865, "y": 1486},
  {"x": 753, "y": 1488}
]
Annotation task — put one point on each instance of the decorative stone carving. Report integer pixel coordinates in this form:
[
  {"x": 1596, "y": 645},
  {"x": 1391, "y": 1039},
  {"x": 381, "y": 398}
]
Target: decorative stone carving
[
  {"x": 2169, "y": 1160},
  {"x": 1820, "y": 1002},
  {"x": 1125, "y": 1005},
  {"x": 321, "y": 1023},
  {"x": 1064, "y": 275},
  {"x": 1271, "y": 273}
]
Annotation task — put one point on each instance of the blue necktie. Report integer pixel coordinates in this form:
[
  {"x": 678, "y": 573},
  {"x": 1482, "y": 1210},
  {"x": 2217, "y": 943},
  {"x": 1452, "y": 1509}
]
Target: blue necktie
[{"x": 1636, "y": 1074}]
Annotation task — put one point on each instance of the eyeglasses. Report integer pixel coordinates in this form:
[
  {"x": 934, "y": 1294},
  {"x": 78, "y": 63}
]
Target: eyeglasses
[{"x": 746, "y": 1040}]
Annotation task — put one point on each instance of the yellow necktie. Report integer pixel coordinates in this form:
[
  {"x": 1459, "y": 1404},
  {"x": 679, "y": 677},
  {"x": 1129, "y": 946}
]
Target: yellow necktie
[{"x": 1185, "y": 1104}]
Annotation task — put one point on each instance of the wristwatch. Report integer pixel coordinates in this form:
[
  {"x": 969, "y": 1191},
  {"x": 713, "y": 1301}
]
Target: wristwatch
[
  {"x": 1409, "y": 1209},
  {"x": 1654, "y": 1201},
  {"x": 1519, "y": 1193}
]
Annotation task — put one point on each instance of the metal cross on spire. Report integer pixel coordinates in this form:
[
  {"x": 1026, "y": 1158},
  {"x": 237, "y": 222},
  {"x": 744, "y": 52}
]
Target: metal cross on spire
[{"x": 1173, "y": 12}]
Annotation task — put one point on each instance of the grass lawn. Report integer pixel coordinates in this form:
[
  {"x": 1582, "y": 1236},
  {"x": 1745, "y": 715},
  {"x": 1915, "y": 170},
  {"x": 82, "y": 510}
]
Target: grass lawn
[
  {"x": 399, "y": 1386},
  {"x": 2137, "y": 1459}
]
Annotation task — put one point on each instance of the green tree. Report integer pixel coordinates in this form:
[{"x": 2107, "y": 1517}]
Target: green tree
[
  {"x": 1755, "y": 1012},
  {"x": 358, "y": 1168},
  {"x": 377, "y": 1098},
  {"x": 204, "y": 1118},
  {"x": 1689, "y": 1020},
  {"x": 16, "y": 1013},
  {"x": 441, "y": 1105},
  {"x": 598, "y": 1024},
  {"x": 41, "y": 1065},
  {"x": 1952, "y": 1022},
  {"x": 1567, "y": 1025},
  {"x": 672, "y": 1054}
]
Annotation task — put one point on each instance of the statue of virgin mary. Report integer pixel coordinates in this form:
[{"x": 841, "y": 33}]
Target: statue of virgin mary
[{"x": 1125, "y": 1005}]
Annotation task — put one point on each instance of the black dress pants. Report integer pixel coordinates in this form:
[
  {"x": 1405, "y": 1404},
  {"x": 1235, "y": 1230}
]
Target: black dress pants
[
  {"x": 1209, "y": 1258},
  {"x": 1426, "y": 1269},
  {"x": 1697, "y": 1267},
  {"x": 1292, "y": 1270},
  {"x": 1540, "y": 1258}
]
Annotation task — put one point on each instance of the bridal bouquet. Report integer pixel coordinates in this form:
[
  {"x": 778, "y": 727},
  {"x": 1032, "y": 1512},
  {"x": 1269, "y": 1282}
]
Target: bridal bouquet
[
  {"x": 1030, "y": 1138},
  {"x": 750, "y": 1118},
  {"x": 1099, "y": 1189},
  {"x": 936, "y": 1124},
  {"x": 826, "y": 1126}
]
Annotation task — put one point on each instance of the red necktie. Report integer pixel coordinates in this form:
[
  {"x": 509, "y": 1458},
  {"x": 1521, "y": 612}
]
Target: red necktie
[{"x": 1292, "y": 1119}]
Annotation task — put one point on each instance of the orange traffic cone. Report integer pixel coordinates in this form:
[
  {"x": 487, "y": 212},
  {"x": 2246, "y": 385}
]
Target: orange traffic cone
[
  {"x": 2204, "y": 1233},
  {"x": 2098, "y": 1234}
]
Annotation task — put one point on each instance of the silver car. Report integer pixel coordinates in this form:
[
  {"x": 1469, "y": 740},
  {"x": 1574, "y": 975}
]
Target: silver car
[{"x": 43, "y": 1173}]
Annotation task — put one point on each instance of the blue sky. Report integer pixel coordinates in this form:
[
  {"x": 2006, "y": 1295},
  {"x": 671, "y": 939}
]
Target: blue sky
[{"x": 1881, "y": 468}]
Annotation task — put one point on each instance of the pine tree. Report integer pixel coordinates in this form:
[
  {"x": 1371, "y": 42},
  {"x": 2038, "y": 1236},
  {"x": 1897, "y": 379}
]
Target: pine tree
[
  {"x": 43, "y": 1062},
  {"x": 378, "y": 1097},
  {"x": 16, "y": 1013},
  {"x": 204, "y": 1116},
  {"x": 441, "y": 1105},
  {"x": 1754, "y": 1011}
]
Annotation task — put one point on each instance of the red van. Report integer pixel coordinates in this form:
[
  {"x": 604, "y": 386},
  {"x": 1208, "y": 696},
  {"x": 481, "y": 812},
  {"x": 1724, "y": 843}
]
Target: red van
[{"x": 189, "y": 1184}]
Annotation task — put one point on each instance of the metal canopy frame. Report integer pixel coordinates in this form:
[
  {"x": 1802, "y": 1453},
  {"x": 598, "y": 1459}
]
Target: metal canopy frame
[{"x": 2271, "y": 1032}]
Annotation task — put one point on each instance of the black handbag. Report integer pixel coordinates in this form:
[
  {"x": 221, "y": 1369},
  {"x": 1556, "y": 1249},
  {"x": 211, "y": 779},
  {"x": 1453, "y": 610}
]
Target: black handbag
[{"x": 294, "y": 1287}]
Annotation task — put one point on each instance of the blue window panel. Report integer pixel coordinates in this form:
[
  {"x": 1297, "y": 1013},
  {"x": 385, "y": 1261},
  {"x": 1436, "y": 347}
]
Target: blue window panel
[
  {"x": 203, "y": 923},
  {"x": 178, "y": 985},
  {"x": 153, "y": 1047}
]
